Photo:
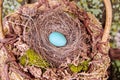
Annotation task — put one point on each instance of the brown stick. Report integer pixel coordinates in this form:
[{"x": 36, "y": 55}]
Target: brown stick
[
  {"x": 114, "y": 54},
  {"x": 108, "y": 20},
  {"x": 1, "y": 28}
]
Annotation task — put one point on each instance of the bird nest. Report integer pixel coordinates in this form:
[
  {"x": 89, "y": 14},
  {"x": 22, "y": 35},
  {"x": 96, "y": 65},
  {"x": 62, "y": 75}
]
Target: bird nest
[{"x": 84, "y": 57}]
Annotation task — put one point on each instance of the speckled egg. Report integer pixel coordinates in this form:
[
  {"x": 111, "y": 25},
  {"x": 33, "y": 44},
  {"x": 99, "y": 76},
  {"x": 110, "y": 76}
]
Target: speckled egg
[{"x": 57, "y": 39}]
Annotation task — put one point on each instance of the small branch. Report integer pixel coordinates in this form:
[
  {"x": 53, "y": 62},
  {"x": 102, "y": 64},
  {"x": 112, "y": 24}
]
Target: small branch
[
  {"x": 108, "y": 20},
  {"x": 1, "y": 27}
]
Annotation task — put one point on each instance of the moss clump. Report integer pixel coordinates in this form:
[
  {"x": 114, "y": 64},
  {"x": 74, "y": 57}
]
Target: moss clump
[
  {"x": 33, "y": 59},
  {"x": 81, "y": 67}
]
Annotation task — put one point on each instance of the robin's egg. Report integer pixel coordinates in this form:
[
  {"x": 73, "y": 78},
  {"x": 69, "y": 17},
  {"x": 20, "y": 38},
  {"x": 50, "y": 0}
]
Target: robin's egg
[{"x": 57, "y": 39}]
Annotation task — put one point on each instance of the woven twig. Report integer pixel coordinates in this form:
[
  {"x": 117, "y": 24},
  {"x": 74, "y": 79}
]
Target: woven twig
[{"x": 108, "y": 20}]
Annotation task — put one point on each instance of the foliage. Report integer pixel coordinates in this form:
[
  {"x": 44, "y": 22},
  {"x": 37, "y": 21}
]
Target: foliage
[
  {"x": 115, "y": 69},
  {"x": 93, "y": 6},
  {"x": 10, "y": 6},
  {"x": 33, "y": 59},
  {"x": 97, "y": 8},
  {"x": 115, "y": 75},
  {"x": 116, "y": 21}
]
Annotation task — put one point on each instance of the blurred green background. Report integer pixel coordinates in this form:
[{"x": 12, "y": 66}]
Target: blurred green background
[{"x": 97, "y": 8}]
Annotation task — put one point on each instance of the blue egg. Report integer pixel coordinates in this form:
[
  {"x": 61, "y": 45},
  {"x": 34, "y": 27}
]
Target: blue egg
[{"x": 57, "y": 39}]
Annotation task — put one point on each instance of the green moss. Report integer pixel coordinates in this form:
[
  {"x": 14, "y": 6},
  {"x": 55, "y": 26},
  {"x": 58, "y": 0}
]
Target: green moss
[
  {"x": 75, "y": 69},
  {"x": 23, "y": 60},
  {"x": 33, "y": 59},
  {"x": 72, "y": 15},
  {"x": 81, "y": 67}
]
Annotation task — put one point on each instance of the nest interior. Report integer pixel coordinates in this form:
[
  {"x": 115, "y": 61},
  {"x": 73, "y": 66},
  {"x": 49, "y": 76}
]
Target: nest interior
[{"x": 30, "y": 26}]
